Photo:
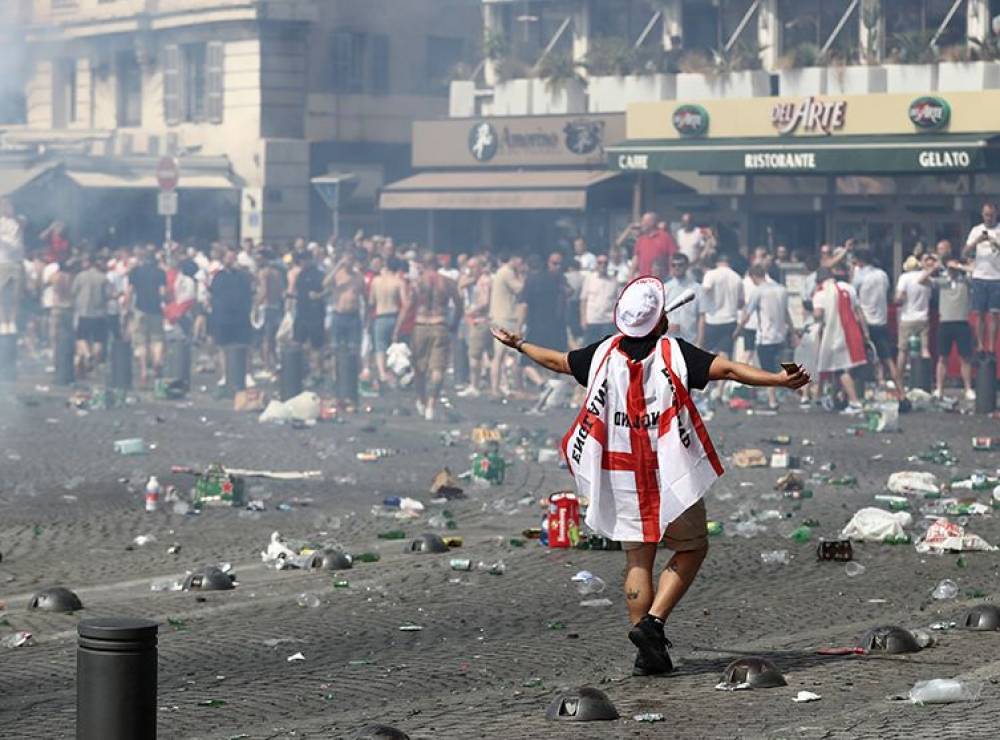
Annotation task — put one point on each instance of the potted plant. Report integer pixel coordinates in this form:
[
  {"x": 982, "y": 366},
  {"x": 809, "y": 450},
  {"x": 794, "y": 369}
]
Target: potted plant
[
  {"x": 562, "y": 88},
  {"x": 970, "y": 68},
  {"x": 803, "y": 71},
  {"x": 512, "y": 93},
  {"x": 913, "y": 63},
  {"x": 495, "y": 48},
  {"x": 856, "y": 69},
  {"x": 735, "y": 73},
  {"x": 609, "y": 60}
]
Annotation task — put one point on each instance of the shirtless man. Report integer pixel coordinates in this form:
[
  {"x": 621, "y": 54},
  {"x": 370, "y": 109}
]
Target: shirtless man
[
  {"x": 345, "y": 288},
  {"x": 387, "y": 292},
  {"x": 433, "y": 295}
]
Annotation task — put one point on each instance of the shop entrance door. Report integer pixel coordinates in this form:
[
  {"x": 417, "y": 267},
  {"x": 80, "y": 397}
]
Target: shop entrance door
[{"x": 797, "y": 231}]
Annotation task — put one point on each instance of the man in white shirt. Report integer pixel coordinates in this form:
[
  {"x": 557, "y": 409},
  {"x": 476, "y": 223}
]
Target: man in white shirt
[
  {"x": 723, "y": 293},
  {"x": 597, "y": 302},
  {"x": 583, "y": 256},
  {"x": 767, "y": 305},
  {"x": 618, "y": 266},
  {"x": 684, "y": 320},
  {"x": 983, "y": 245},
  {"x": 913, "y": 294},
  {"x": 872, "y": 286},
  {"x": 690, "y": 240}
]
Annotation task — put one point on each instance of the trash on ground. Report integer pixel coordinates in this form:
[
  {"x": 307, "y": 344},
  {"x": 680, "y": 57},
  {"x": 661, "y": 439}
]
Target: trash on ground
[
  {"x": 410, "y": 628},
  {"x": 853, "y": 569},
  {"x": 131, "y": 446},
  {"x": 596, "y": 602},
  {"x": 308, "y": 600},
  {"x": 806, "y": 696},
  {"x": 774, "y": 557},
  {"x": 295, "y": 658},
  {"x": 907, "y": 482},
  {"x": 877, "y": 525},
  {"x": 210, "y": 578},
  {"x": 144, "y": 539},
  {"x": 838, "y": 550},
  {"x": 945, "y": 590},
  {"x": 445, "y": 485},
  {"x": 587, "y": 583},
  {"x": 304, "y": 407},
  {"x": 789, "y": 482},
  {"x": 945, "y": 691},
  {"x": 648, "y": 717},
  {"x": 944, "y": 536},
  {"x": 750, "y": 458},
  {"x": 17, "y": 639}
]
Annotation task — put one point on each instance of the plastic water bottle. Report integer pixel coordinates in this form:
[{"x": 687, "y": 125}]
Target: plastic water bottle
[{"x": 152, "y": 494}]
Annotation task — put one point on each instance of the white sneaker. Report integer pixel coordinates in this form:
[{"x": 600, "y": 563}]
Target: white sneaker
[
  {"x": 429, "y": 413},
  {"x": 936, "y": 393},
  {"x": 421, "y": 409},
  {"x": 852, "y": 410},
  {"x": 468, "y": 392},
  {"x": 970, "y": 395}
]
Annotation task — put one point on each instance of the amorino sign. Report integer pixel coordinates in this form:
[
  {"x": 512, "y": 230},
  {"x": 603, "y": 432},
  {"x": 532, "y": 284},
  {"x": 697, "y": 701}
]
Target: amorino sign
[{"x": 516, "y": 141}]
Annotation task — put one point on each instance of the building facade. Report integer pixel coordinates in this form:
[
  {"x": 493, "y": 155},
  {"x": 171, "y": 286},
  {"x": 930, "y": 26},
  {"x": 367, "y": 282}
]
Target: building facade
[
  {"x": 704, "y": 85},
  {"x": 252, "y": 99}
]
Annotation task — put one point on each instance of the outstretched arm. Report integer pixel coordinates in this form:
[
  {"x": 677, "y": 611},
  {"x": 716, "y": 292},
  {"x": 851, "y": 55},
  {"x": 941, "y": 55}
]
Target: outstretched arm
[
  {"x": 550, "y": 359},
  {"x": 723, "y": 369}
]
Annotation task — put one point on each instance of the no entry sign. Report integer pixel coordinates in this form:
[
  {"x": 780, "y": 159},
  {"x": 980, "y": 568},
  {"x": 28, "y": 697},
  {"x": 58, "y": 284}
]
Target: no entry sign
[{"x": 167, "y": 173}]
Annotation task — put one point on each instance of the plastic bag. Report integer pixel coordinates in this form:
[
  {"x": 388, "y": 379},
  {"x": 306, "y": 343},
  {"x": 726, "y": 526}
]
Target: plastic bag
[{"x": 875, "y": 525}]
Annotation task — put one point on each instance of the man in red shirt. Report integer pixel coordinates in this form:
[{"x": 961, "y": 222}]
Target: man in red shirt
[{"x": 653, "y": 247}]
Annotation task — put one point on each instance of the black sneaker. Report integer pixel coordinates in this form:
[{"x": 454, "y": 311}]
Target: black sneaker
[
  {"x": 653, "y": 658},
  {"x": 640, "y": 669}
]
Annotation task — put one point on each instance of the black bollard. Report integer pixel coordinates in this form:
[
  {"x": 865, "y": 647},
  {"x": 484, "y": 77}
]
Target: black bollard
[
  {"x": 64, "y": 355},
  {"x": 236, "y": 367},
  {"x": 8, "y": 358},
  {"x": 986, "y": 385},
  {"x": 120, "y": 365},
  {"x": 292, "y": 366},
  {"x": 116, "y": 679},
  {"x": 178, "y": 362}
]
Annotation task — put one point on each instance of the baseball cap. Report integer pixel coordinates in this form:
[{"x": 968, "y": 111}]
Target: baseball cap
[{"x": 639, "y": 307}]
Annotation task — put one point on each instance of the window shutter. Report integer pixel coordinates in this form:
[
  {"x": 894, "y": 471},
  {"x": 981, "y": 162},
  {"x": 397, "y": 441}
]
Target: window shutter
[
  {"x": 379, "y": 50},
  {"x": 215, "y": 57},
  {"x": 172, "y": 84}
]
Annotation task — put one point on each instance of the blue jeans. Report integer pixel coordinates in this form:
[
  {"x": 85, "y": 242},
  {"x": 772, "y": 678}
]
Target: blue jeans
[
  {"x": 382, "y": 328},
  {"x": 346, "y": 333}
]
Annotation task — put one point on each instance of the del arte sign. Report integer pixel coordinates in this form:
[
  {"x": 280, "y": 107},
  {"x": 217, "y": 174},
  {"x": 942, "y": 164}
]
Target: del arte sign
[
  {"x": 809, "y": 115},
  {"x": 929, "y": 113}
]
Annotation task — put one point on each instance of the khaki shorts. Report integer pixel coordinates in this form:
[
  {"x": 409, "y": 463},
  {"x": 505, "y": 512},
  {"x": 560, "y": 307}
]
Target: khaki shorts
[
  {"x": 480, "y": 341},
  {"x": 147, "y": 327},
  {"x": 688, "y": 532},
  {"x": 909, "y": 328},
  {"x": 431, "y": 347}
]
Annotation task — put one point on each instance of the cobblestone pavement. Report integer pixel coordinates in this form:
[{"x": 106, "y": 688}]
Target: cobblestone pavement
[{"x": 488, "y": 660}]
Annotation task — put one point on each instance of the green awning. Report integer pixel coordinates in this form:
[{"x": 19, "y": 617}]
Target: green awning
[{"x": 829, "y": 155}]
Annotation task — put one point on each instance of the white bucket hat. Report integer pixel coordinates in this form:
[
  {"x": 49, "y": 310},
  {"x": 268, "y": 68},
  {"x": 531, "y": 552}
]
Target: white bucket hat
[{"x": 639, "y": 307}]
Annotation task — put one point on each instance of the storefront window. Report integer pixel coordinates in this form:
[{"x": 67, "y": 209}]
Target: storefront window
[
  {"x": 709, "y": 26},
  {"x": 530, "y": 26},
  {"x": 814, "y": 21},
  {"x": 620, "y": 19},
  {"x": 912, "y": 21},
  {"x": 789, "y": 185}
]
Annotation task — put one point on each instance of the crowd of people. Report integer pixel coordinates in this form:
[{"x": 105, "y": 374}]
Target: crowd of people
[{"x": 348, "y": 304}]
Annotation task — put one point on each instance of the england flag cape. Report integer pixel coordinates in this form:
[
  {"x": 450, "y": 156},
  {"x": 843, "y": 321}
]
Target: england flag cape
[{"x": 638, "y": 449}]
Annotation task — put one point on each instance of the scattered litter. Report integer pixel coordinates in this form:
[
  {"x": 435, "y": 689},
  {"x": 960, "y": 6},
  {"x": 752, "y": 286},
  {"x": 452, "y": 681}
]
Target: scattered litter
[
  {"x": 913, "y": 481},
  {"x": 750, "y": 458},
  {"x": 945, "y": 590},
  {"x": 144, "y": 539},
  {"x": 410, "y": 628},
  {"x": 308, "y": 600},
  {"x": 17, "y": 639},
  {"x": 945, "y": 691},
  {"x": 304, "y": 407},
  {"x": 774, "y": 557},
  {"x": 877, "y": 525},
  {"x": 853, "y": 569},
  {"x": 587, "y": 583},
  {"x": 648, "y": 717},
  {"x": 596, "y": 602},
  {"x": 806, "y": 696},
  {"x": 295, "y": 658},
  {"x": 944, "y": 536},
  {"x": 132, "y": 446}
]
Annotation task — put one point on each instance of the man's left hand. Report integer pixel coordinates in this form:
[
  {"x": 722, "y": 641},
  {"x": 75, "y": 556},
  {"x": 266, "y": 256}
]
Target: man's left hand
[
  {"x": 505, "y": 337},
  {"x": 794, "y": 380}
]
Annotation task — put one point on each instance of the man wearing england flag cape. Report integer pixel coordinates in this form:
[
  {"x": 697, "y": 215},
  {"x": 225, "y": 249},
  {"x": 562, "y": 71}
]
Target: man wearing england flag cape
[{"x": 639, "y": 452}]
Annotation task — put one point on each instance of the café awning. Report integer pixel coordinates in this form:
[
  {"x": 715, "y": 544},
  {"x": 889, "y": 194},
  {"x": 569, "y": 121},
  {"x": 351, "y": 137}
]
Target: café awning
[
  {"x": 827, "y": 155},
  {"x": 147, "y": 181},
  {"x": 463, "y": 190}
]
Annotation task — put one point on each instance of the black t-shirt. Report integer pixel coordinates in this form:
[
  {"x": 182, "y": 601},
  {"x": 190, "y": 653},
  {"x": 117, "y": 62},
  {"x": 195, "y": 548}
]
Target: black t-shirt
[
  {"x": 310, "y": 280},
  {"x": 232, "y": 296},
  {"x": 146, "y": 280},
  {"x": 698, "y": 361}
]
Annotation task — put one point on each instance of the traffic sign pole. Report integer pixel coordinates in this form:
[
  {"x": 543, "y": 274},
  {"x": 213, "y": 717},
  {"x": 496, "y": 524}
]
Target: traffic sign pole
[{"x": 167, "y": 175}]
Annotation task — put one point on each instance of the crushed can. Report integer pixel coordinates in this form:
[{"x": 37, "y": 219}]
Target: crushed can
[{"x": 563, "y": 522}]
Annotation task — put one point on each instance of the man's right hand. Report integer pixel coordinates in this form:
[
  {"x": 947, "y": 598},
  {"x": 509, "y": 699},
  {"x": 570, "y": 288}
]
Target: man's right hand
[{"x": 505, "y": 337}]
